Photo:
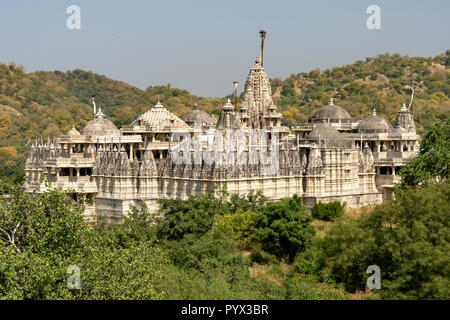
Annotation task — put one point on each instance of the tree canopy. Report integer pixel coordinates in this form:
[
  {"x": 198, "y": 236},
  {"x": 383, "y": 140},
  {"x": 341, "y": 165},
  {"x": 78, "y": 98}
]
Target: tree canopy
[{"x": 432, "y": 163}]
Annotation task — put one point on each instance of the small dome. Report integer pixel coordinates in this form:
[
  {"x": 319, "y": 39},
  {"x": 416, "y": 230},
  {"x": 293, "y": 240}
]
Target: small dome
[
  {"x": 324, "y": 131},
  {"x": 330, "y": 113},
  {"x": 197, "y": 115},
  {"x": 73, "y": 132},
  {"x": 101, "y": 126},
  {"x": 374, "y": 123}
]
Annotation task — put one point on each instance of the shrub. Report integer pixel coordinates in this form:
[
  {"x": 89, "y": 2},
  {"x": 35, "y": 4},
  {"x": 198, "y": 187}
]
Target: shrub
[
  {"x": 406, "y": 237},
  {"x": 327, "y": 211},
  {"x": 194, "y": 216},
  {"x": 283, "y": 228},
  {"x": 261, "y": 257}
]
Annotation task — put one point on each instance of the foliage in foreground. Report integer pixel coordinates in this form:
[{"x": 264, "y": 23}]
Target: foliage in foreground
[
  {"x": 138, "y": 259},
  {"x": 203, "y": 252},
  {"x": 327, "y": 211},
  {"x": 408, "y": 238},
  {"x": 432, "y": 163}
]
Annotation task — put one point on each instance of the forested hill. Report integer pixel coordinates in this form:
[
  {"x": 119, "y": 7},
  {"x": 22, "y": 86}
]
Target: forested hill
[
  {"x": 382, "y": 83},
  {"x": 48, "y": 103}
]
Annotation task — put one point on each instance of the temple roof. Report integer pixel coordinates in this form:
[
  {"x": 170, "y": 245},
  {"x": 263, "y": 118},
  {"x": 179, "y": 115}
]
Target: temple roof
[
  {"x": 227, "y": 118},
  {"x": 324, "y": 131},
  {"x": 100, "y": 126},
  {"x": 73, "y": 132},
  {"x": 198, "y": 115},
  {"x": 330, "y": 112},
  {"x": 374, "y": 123},
  {"x": 257, "y": 91},
  {"x": 158, "y": 117}
]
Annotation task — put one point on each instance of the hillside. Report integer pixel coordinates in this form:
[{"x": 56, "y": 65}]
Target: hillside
[
  {"x": 45, "y": 103},
  {"x": 382, "y": 83}
]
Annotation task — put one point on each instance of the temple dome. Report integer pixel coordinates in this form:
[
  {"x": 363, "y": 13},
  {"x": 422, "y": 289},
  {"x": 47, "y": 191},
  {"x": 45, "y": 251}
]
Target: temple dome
[
  {"x": 374, "y": 123},
  {"x": 196, "y": 114},
  {"x": 331, "y": 113},
  {"x": 324, "y": 131},
  {"x": 100, "y": 126},
  {"x": 73, "y": 132}
]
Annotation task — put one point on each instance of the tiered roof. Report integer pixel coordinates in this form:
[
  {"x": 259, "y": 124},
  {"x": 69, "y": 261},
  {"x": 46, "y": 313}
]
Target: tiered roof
[{"x": 159, "y": 118}]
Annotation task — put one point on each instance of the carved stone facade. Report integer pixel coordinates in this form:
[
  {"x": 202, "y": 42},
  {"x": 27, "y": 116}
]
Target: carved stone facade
[{"x": 333, "y": 157}]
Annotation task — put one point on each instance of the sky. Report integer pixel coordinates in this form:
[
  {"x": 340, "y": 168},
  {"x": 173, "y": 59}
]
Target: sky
[{"x": 205, "y": 45}]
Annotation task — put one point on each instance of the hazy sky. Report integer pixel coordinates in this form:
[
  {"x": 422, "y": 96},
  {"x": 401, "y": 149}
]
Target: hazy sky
[{"x": 204, "y": 45}]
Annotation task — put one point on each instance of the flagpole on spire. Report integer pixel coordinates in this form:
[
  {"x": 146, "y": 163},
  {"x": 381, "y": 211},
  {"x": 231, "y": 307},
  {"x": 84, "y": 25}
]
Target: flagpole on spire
[{"x": 262, "y": 34}]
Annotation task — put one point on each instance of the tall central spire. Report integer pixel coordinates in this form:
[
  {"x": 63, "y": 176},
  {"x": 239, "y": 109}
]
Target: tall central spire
[
  {"x": 257, "y": 91},
  {"x": 257, "y": 105}
]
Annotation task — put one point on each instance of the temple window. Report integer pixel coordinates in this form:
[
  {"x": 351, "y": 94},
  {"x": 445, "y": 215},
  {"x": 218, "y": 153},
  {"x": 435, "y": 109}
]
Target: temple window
[{"x": 64, "y": 172}]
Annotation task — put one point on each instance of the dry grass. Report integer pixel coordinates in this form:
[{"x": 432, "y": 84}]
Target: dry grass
[
  {"x": 270, "y": 273},
  {"x": 321, "y": 227},
  {"x": 363, "y": 295},
  {"x": 358, "y": 212}
]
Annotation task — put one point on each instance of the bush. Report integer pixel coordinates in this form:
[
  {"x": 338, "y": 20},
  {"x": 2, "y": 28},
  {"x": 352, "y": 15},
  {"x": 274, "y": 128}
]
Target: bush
[
  {"x": 239, "y": 226},
  {"x": 303, "y": 287},
  {"x": 408, "y": 238},
  {"x": 327, "y": 211},
  {"x": 283, "y": 228},
  {"x": 306, "y": 262},
  {"x": 194, "y": 216},
  {"x": 261, "y": 257}
]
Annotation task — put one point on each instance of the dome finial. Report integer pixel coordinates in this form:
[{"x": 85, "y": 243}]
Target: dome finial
[
  {"x": 158, "y": 104},
  {"x": 257, "y": 60},
  {"x": 99, "y": 113},
  {"x": 73, "y": 132},
  {"x": 228, "y": 105},
  {"x": 404, "y": 107},
  {"x": 331, "y": 101},
  {"x": 374, "y": 111}
]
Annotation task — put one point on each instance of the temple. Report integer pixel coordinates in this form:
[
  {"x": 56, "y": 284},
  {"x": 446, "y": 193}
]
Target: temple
[{"x": 160, "y": 156}]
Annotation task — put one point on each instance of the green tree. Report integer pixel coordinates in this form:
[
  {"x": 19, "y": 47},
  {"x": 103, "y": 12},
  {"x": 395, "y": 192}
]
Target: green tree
[
  {"x": 408, "y": 238},
  {"x": 283, "y": 228},
  {"x": 432, "y": 163},
  {"x": 193, "y": 216},
  {"x": 49, "y": 223},
  {"x": 327, "y": 211}
]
